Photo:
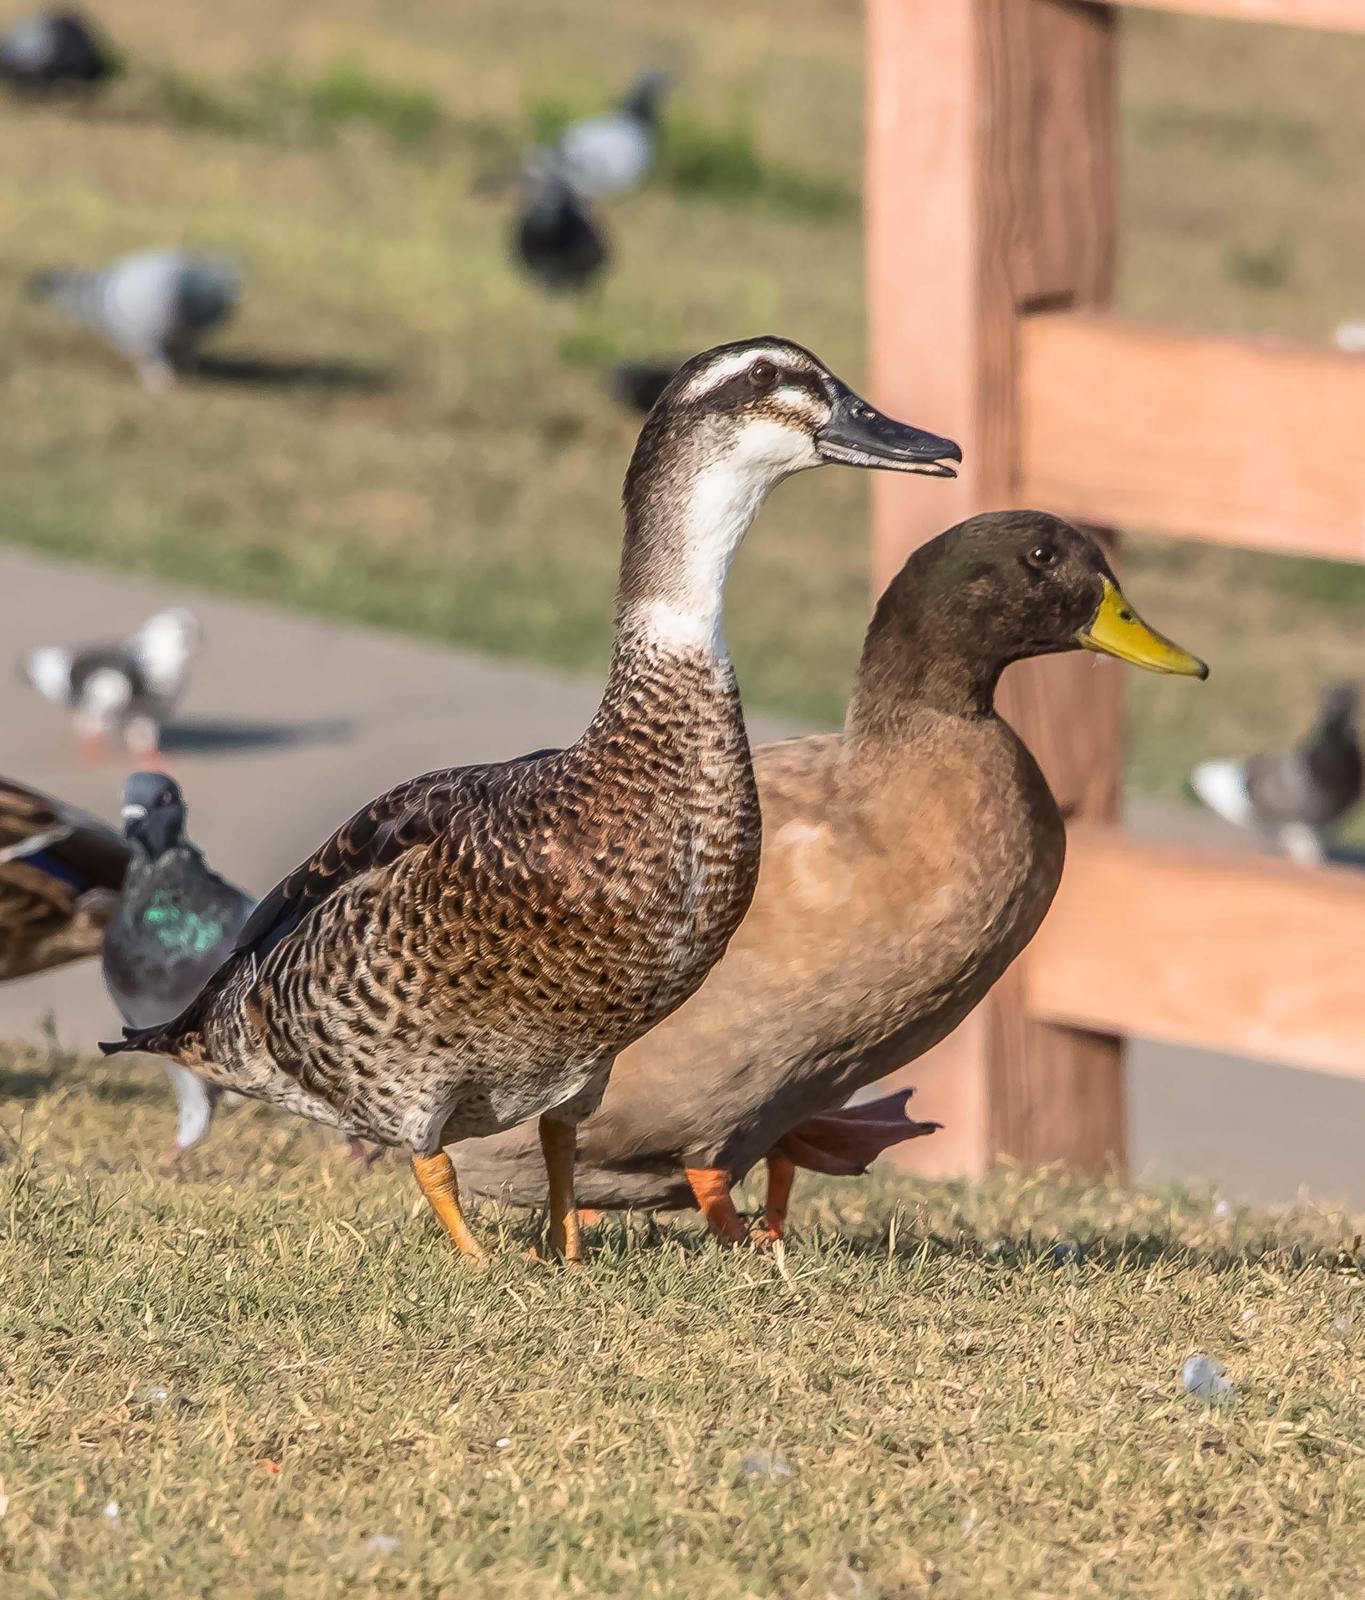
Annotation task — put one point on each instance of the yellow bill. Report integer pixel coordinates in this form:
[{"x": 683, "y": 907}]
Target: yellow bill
[{"x": 1117, "y": 630}]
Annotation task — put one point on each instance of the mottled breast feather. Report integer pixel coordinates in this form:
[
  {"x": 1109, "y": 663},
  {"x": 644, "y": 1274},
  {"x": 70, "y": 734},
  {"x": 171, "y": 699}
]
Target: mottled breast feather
[{"x": 474, "y": 945}]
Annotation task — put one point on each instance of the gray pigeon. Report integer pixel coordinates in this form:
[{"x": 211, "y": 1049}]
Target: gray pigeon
[
  {"x": 56, "y": 50},
  {"x": 176, "y": 922},
  {"x": 124, "y": 690},
  {"x": 608, "y": 154},
  {"x": 154, "y": 307},
  {"x": 1293, "y": 797}
]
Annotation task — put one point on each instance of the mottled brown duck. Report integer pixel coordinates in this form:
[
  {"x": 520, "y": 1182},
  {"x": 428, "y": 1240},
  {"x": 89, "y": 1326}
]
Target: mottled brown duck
[
  {"x": 60, "y": 875},
  {"x": 906, "y": 862},
  {"x": 474, "y": 948}
]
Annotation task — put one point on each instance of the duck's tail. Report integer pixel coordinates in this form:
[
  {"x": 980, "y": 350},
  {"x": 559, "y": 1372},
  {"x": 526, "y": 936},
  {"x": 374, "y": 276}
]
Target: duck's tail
[
  {"x": 845, "y": 1143},
  {"x": 165, "y": 1039}
]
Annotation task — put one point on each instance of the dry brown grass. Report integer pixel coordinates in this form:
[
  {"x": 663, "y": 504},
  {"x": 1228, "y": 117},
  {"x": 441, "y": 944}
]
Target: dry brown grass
[{"x": 959, "y": 1390}]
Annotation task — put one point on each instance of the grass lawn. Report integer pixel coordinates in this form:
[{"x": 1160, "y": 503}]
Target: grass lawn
[
  {"x": 398, "y": 429},
  {"x": 273, "y": 1368}
]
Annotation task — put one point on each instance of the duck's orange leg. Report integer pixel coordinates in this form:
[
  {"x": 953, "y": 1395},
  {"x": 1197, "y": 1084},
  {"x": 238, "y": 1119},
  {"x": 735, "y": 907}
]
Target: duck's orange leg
[
  {"x": 711, "y": 1187},
  {"x": 559, "y": 1141},
  {"x": 781, "y": 1174},
  {"x": 436, "y": 1174}
]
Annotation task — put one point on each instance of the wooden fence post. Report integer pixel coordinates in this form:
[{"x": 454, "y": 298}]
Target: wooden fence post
[{"x": 991, "y": 193}]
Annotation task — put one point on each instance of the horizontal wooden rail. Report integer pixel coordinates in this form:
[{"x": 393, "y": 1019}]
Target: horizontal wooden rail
[
  {"x": 1250, "y": 442},
  {"x": 1224, "y": 952},
  {"x": 1343, "y": 15}
]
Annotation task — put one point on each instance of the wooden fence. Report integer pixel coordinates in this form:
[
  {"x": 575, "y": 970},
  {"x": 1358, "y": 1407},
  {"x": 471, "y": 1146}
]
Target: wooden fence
[{"x": 991, "y": 242}]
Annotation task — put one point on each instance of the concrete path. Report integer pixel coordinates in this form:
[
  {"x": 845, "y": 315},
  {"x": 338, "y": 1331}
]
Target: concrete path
[{"x": 291, "y": 723}]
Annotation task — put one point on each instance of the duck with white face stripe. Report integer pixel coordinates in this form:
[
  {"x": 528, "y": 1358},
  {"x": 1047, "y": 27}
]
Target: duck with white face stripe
[{"x": 475, "y": 947}]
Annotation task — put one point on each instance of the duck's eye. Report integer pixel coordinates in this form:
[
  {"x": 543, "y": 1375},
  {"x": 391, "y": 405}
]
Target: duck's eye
[
  {"x": 165, "y": 798},
  {"x": 1042, "y": 556},
  {"x": 762, "y": 375}
]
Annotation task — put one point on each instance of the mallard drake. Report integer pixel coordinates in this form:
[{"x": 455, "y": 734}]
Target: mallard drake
[
  {"x": 123, "y": 690},
  {"x": 176, "y": 922},
  {"x": 475, "y": 947},
  {"x": 154, "y": 308},
  {"x": 1295, "y": 798},
  {"x": 60, "y": 875},
  {"x": 906, "y": 862}
]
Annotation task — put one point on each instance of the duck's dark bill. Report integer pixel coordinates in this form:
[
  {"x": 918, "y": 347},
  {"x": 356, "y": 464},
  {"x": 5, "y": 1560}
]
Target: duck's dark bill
[
  {"x": 1117, "y": 630},
  {"x": 858, "y": 435}
]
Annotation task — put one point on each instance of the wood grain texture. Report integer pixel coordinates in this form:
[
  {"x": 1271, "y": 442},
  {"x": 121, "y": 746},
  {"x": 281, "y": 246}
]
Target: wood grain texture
[
  {"x": 1257, "y": 444},
  {"x": 1235, "y": 953},
  {"x": 1344, "y": 16},
  {"x": 991, "y": 190}
]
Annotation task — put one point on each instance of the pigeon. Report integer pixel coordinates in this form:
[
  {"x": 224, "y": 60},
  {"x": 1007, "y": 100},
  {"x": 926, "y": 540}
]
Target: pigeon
[
  {"x": 125, "y": 690},
  {"x": 557, "y": 239},
  {"x": 638, "y": 384},
  {"x": 153, "y": 307},
  {"x": 176, "y": 922},
  {"x": 609, "y": 154},
  {"x": 1349, "y": 337},
  {"x": 1294, "y": 798},
  {"x": 56, "y": 50},
  {"x": 60, "y": 876}
]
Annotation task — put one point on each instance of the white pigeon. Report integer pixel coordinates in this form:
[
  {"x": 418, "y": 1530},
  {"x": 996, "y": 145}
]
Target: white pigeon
[
  {"x": 121, "y": 692},
  {"x": 613, "y": 152},
  {"x": 153, "y": 308}
]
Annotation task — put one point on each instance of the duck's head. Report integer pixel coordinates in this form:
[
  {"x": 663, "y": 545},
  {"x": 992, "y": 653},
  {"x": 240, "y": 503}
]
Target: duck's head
[
  {"x": 995, "y": 589},
  {"x": 732, "y": 423},
  {"x": 153, "y": 812},
  {"x": 768, "y": 408}
]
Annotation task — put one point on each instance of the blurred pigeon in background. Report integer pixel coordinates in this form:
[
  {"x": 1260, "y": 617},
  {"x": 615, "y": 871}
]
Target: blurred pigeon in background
[
  {"x": 154, "y": 307},
  {"x": 637, "y": 385},
  {"x": 557, "y": 239},
  {"x": 176, "y": 922},
  {"x": 55, "y": 50},
  {"x": 608, "y": 154},
  {"x": 124, "y": 691},
  {"x": 1295, "y": 797}
]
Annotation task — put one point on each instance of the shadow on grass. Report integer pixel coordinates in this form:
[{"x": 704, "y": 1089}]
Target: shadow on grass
[
  {"x": 39, "y": 1078},
  {"x": 213, "y": 736},
  {"x": 265, "y": 372}
]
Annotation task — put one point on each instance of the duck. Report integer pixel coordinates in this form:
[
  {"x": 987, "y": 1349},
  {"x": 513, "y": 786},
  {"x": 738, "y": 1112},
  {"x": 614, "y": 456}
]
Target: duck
[
  {"x": 53, "y": 51},
  {"x": 175, "y": 922},
  {"x": 907, "y": 860},
  {"x": 557, "y": 239},
  {"x": 123, "y": 691},
  {"x": 154, "y": 307},
  {"x": 61, "y": 872},
  {"x": 1293, "y": 798},
  {"x": 475, "y": 947},
  {"x": 612, "y": 153}
]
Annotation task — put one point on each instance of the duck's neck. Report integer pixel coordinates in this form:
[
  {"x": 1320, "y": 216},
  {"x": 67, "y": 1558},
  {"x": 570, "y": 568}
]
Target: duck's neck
[
  {"x": 686, "y": 512},
  {"x": 919, "y": 656}
]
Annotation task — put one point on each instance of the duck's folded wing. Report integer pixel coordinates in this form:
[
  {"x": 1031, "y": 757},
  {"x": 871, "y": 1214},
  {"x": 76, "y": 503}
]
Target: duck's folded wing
[
  {"x": 413, "y": 814},
  {"x": 49, "y": 836}
]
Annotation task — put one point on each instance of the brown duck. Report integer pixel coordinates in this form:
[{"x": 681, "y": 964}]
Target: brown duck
[
  {"x": 906, "y": 862},
  {"x": 474, "y": 948},
  {"x": 60, "y": 875}
]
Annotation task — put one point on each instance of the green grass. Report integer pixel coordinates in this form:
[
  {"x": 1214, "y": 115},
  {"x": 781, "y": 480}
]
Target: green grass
[
  {"x": 950, "y": 1389},
  {"x": 427, "y": 444}
]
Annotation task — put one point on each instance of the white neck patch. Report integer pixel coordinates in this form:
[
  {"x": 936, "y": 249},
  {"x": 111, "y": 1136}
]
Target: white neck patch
[{"x": 723, "y": 500}]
